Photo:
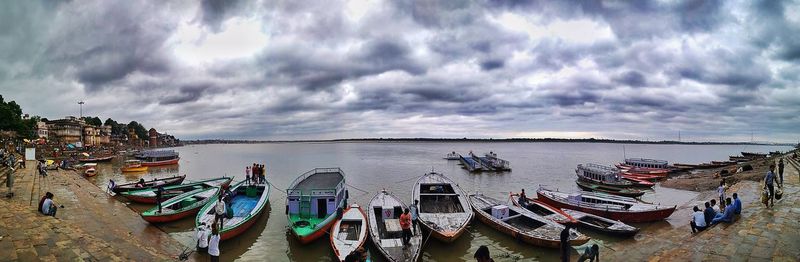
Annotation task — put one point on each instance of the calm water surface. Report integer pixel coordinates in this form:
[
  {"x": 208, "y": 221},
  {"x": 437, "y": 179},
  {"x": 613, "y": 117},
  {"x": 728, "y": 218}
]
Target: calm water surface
[{"x": 369, "y": 167}]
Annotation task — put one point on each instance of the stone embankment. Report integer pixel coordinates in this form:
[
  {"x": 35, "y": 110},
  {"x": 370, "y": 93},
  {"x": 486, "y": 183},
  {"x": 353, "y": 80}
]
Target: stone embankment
[{"x": 91, "y": 225}]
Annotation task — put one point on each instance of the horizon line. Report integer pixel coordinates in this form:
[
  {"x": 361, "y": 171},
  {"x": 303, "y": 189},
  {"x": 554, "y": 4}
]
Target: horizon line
[{"x": 465, "y": 139}]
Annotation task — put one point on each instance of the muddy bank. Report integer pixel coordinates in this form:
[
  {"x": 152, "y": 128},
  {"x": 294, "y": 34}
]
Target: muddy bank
[{"x": 704, "y": 180}]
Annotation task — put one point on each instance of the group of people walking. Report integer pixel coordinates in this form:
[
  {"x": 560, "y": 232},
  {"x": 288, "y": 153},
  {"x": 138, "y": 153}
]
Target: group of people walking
[{"x": 255, "y": 174}]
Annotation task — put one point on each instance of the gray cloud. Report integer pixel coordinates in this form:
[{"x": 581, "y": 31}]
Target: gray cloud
[{"x": 330, "y": 70}]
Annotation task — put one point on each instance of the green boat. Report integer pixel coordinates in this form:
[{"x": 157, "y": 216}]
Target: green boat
[
  {"x": 148, "y": 196},
  {"x": 312, "y": 202},
  {"x": 247, "y": 204},
  {"x": 181, "y": 206}
]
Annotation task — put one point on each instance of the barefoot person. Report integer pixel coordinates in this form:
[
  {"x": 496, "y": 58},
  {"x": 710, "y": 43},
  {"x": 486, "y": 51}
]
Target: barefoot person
[{"x": 769, "y": 181}]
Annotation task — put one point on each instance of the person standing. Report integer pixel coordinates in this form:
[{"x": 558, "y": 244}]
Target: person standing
[
  {"x": 247, "y": 174},
  {"x": 565, "y": 243},
  {"x": 780, "y": 171},
  {"x": 219, "y": 210},
  {"x": 405, "y": 224},
  {"x": 768, "y": 184},
  {"x": 159, "y": 194},
  {"x": 414, "y": 215},
  {"x": 202, "y": 238},
  {"x": 721, "y": 193},
  {"x": 213, "y": 243}
]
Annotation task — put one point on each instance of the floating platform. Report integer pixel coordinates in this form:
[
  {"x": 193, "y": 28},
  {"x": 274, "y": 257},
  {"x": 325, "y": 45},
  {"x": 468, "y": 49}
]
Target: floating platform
[{"x": 471, "y": 163}]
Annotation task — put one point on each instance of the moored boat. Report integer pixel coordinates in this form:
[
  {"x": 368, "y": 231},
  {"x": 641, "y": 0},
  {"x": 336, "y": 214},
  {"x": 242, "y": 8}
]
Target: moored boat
[
  {"x": 521, "y": 223},
  {"x": 180, "y": 206},
  {"x": 90, "y": 172},
  {"x": 96, "y": 159},
  {"x": 312, "y": 202},
  {"x": 604, "y": 176},
  {"x": 133, "y": 165},
  {"x": 621, "y": 208},
  {"x": 149, "y": 195},
  {"x": 444, "y": 208},
  {"x": 452, "y": 156},
  {"x": 544, "y": 210},
  {"x": 167, "y": 181},
  {"x": 248, "y": 202},
  {"x": 158, "y": 157},
  {"x": 638, "y": 181},
  {"x": 602, "y": 224},
  {"x": 620, "y": 191},
  {"x": 349, "y": 232},
  {"x": 384, "y": 213}
]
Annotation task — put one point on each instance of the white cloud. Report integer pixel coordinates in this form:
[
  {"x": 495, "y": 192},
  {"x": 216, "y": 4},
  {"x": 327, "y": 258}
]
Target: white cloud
[{"x": 238, "y": 38}]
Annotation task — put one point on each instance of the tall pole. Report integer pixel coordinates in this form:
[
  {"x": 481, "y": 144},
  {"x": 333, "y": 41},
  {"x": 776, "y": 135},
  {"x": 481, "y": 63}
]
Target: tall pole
[{"x": 81, "y": 105}]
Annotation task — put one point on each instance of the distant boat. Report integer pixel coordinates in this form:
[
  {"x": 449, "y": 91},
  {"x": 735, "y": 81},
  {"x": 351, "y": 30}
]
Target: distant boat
[
  {"x": 158, "y": 157},
  {"x": 602, "y": 224},
  {"x": 180, "y": 206},
  {"x": 133, "y": 166},
  {"x": 621, "y": 208},
  {"x": 384, "y": 213},
  {"x": 522, "y": 224},
  {"x": 149, "y": 195},
  {"x": 604, "y": 176},
  {"x": 96, "y": 159},
  {"x": 248, "y": 203},
  {"x": 452, "y": 156},
  {"x": 444, "y": 209},
  {"x": 752, "y": 155},
  {"x": 544, "y": 210},
  {"x": 349, "y": 232},
  {"x": 312, "y": 202},
  {"x": 167, "y": 181}
]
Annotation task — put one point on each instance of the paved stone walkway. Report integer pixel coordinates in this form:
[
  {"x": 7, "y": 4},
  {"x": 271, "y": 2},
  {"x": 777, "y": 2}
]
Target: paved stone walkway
[
  {"x": 92, "y": 226},
  {"x": 759, "y": 234}
]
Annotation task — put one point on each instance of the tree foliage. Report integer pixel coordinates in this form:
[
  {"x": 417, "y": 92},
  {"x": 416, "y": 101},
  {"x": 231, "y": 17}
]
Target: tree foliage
[
  {"x": 138, "y": 129},
  {"x": 11, "y": 119}
]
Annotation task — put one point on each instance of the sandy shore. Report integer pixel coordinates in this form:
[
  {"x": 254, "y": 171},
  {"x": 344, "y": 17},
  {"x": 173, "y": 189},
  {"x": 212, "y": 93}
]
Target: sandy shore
[{"x": 705, "y": 180}]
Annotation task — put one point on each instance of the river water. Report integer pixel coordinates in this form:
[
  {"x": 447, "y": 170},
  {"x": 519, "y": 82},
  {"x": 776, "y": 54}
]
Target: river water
[{"x": 372, "y": 166}]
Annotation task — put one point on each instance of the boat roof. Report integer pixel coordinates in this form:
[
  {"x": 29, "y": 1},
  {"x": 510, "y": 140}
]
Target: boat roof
[
  {"x": 158, "y": 153},
  {"x": 319, "y": 178},
  {"x": 646, "y": 161},
  {"x": 598, "y": 168}
]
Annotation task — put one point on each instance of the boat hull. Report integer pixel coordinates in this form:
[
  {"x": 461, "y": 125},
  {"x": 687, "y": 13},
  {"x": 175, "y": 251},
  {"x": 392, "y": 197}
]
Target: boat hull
[
  {"x": 161, "y": 163},
  {"x": 134, "y": 169},
  {"x": 483, "y": 217},
  {"x": 313, "y": 236},
  {"x": 624, "y": 216},
  {"x": 444, "y": 236},
  {"x": 131, "y": 186},
  {"x": 94, "y": 160},
  {"x": 589, "y": 186},
  {"x": 172, "y": 217}
]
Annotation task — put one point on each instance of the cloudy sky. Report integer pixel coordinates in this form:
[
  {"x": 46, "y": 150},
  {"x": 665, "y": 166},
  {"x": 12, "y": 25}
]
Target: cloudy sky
[{"x": 713, "y": 70}]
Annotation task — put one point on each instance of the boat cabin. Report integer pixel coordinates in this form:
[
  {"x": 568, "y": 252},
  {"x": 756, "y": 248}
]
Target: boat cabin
[
  {"x": 598, "y": 172},
  {"x": 646, "y": 163},
  {"x": 157, "y": 156},
  {"x": 439, "y": 198},
  {"x": 316, "y": 194}
]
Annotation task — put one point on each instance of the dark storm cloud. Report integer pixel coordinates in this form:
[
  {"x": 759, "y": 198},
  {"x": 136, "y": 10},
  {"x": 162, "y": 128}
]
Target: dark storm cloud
[{"x": 330, "y": 69}]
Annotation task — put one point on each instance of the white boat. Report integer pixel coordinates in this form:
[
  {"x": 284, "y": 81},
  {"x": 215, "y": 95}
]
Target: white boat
[
  {"x": 350, "y": 232},
  {"x": 384, "y": 213}
]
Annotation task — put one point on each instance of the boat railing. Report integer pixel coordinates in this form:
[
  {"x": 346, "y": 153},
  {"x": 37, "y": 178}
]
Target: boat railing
[{"x": 316, "y": 171}]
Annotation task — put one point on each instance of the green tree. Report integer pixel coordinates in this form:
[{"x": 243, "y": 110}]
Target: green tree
[
  {"x": 11, "y": 119},
  {"x": 138, "y": 129},
  {"x": 95, "y": 121}
]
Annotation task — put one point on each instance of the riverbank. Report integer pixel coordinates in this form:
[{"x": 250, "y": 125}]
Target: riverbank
[
  {"x": 704, "y": 180},
  {"x": 758, "y": 234},
  {"x": 91, "y": 225}
]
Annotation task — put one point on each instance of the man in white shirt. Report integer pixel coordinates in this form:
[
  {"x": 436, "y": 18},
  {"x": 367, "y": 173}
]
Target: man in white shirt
[
  {"x": 202, "y": 238},
  {"x": 219, "y": 209},
  {"x": 715, "y": 206},
  {"x": 698, "y": 222},
  {"x": 48, "y": 207},
  {"x": 213, "y": 244}
]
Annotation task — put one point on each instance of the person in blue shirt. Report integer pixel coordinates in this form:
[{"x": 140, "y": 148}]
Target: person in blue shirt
[
  {"x": 709, "y": 213},
  {"x": 737, "y": 204},
  {"x": 727, "y": 216},
  {"x": 769, "y": 184}
]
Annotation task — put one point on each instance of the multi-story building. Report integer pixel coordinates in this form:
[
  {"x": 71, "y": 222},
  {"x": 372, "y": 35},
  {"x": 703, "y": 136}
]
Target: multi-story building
[
  {"x": 42, "y": 131},
  {"x": 68, "y": 130},
  {"x": 104, "y": 135},
  {"x": 153, "y": 137}
]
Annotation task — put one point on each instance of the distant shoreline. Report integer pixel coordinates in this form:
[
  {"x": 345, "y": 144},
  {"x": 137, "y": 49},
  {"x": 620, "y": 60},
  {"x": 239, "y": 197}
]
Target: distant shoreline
[{"x": 466, "y": 140}]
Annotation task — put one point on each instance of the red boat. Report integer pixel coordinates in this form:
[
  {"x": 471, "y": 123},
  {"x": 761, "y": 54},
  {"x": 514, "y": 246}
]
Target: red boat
[
  {"x": 638, "y": 182},
  {"x": 168, "y": 181},
  {"x": 643, "y": 170},
  {"x": 624, "y": 209}
]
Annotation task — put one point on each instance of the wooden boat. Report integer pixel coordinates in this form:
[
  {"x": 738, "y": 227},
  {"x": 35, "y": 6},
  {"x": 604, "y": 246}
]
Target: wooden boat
[
  {"x": 752, "y": 155},
  {"x": 90, "y": 172},
  {"x": 544, "y": 210},
  {"x": 452, "y": 156},
  {"x": 628, "y": 192},
  {"x": 181, "y": 206},
  {"x": 312, "y": 202},
  {"x": 605, "y": 176},
  {"x": 96, "y": 159},
  {"x": 644, "y": 170},
  {"x": 158, "y": 157},
  {"x": 349, "y": 232},
  {"x": 625, "y": 209},
  {"x": 699, "y": 166},
  {"x": 384, "y": 213},
  {"x": 602, "y": 224},
  {"x": 638, "y": 182},
  {"x": 646, "y": 163},
  {"x": 522, "y": 224},
  {"x": 444, "y": 209},
  {"x": 148, "y": 195},
  {"x": 248, "y": 203},
  {"x": 167, "y": 181},
  {"x": 133, "y": 166}
]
